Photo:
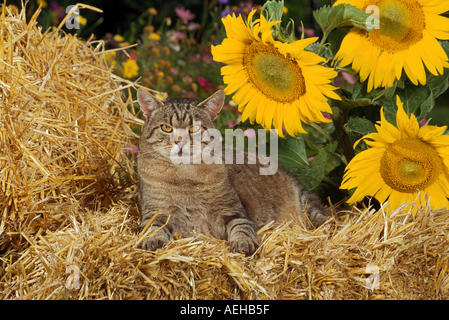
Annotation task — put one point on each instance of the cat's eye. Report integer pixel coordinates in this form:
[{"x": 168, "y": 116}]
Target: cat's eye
[
  {"x": 194, "y": 129},
  {"x": 166, "y": 128}
]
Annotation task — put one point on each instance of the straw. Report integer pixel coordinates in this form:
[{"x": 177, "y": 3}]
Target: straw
[
  {"x": 69, "y": 219},
  {"x": 63, "y": 125}
]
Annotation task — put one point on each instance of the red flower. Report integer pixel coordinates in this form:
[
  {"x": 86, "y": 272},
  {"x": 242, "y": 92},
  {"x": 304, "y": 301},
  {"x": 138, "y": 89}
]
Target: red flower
[
  {"x": 204, "y": 83},
  {"x": 132, "y": 56}
]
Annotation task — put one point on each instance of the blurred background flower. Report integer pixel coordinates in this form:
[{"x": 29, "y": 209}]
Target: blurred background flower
[
  {"x": 184, "y": 14},
  {"x": 130, "y": 69}
]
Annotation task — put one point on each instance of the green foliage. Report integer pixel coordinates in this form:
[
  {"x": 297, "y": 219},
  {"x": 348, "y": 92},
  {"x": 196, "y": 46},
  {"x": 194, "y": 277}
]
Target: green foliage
[
  {"x": 273, "y": 10},
  {"x": 343, "y": 15},
  {"x": 311, "y": 175},
  {"x": 360, "y": 126},
  {"x": 292, "y": 153}
]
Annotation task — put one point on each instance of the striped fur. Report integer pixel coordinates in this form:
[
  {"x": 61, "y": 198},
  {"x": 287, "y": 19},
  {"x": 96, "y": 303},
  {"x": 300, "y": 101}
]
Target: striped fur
[{"x": 227, "y": 201}]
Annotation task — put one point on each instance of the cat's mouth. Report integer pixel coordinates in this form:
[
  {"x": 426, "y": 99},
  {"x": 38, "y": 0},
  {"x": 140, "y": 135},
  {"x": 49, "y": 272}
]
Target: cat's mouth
[{"x": 177, "y": 154}]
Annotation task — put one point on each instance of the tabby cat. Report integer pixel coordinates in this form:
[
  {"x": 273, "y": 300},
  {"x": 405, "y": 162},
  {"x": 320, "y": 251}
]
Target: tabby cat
[{"x": 227, "y": 201}]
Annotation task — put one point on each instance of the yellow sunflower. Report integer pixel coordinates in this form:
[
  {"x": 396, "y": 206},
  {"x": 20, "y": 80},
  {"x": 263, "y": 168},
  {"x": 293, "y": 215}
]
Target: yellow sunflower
[
  {"x": 277, "y": 83},
  {"x": 407, "y": 37},
  {"x": 407, "y": 164}
]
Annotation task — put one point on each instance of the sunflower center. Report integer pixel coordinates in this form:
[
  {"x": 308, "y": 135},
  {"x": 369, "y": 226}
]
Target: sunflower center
[
  {"x": 401, "y": 24},
  {"x": 277, "y": 77},
  {"x": 409, "y": 165}
]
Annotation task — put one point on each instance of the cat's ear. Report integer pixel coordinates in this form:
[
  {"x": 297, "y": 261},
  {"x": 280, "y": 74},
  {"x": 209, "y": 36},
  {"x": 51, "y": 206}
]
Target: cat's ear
[
  {"x": 148, "y": 103},
  {"x": 214, "y": 103}
]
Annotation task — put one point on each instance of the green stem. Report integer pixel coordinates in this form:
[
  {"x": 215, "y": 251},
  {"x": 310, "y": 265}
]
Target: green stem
[
  {"x": 320, "y": 130},
  {"x": 322, "y": 43},
  {"x": 345, "y": 144},
  {"x": 332, "y": 183},
  {"x": 203, "y": 20},
  {"x": 150, "y": 20}
]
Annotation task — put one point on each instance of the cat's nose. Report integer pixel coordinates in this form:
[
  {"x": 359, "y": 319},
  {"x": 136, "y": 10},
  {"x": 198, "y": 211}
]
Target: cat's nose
[
  {"x": 180, "y": 137},
  {"x": 181, "y": 144}
]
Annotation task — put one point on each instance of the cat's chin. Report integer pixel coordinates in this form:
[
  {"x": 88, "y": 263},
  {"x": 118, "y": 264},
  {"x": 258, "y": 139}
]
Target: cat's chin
[{"x": 179, "y": 158}]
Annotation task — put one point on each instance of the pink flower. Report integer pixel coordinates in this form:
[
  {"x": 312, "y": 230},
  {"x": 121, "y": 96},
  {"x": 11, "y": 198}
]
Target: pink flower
[
  {"x": 131, "y": 149},
  {"x": 188, "y": 79},
  {"x": 184, "y": 14},
  {"x": 204, "y": 83},
  {"x": 174, "y": 71},
  {"x": 307, "y": 32},
  {"x": 348, "y": 77},
  {"x": 207, "y": 59},
  {"x": 207, "y": 56},
  {"x": 423, "y": 122},
  {"x": 327, "y": 115},
  {"x": 310, "y": 159},
  {"x": 233, "y": 123},
  {"x": 173, "y": 34},
  {"x": 250, "y": 133},
  {"x": 339, "y": 83},
  {"x": 59, "y": 10},
  {"x": 192, "y": 26},
  {"x": 193, "y": 58},
  {"x": 249, "y": 5}
]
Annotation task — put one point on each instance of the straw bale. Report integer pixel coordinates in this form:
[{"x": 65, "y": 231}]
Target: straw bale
[
  {"x": 63, "y": 124},
  {"x": 331, "y": 262},
  {"x": 65, "y": 209}
]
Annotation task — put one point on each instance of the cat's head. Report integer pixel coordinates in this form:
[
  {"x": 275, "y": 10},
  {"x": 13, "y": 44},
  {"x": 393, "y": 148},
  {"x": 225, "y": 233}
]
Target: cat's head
[{"x": 169, "y": 124}]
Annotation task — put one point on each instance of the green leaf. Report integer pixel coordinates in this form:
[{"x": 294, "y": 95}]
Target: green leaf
[
  {"x": 355, "y": 17},
  {"x": 347, "y": 102},
  {"x": 273, "y": 10},
  {"x": 292, "y": 153},
  {"x": 335, "y": 39},
  {"x": 331, "y": 17},
  {"x": 359, "y": 126},
  {"x": 360, "y": 98},
  {"x": 439, "y": 84},
  {"x": 418, "y": 100},
  {"x": 360, "y": 92},
  {"x": 311, "y": 175}
]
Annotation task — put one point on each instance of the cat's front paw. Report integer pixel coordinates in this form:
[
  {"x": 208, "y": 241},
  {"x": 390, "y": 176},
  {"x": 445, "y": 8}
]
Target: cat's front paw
[
  {"x": 153, "y": 243},
  {"x": 320, "y": 216},
  {"x": 247, "y": 246}
]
